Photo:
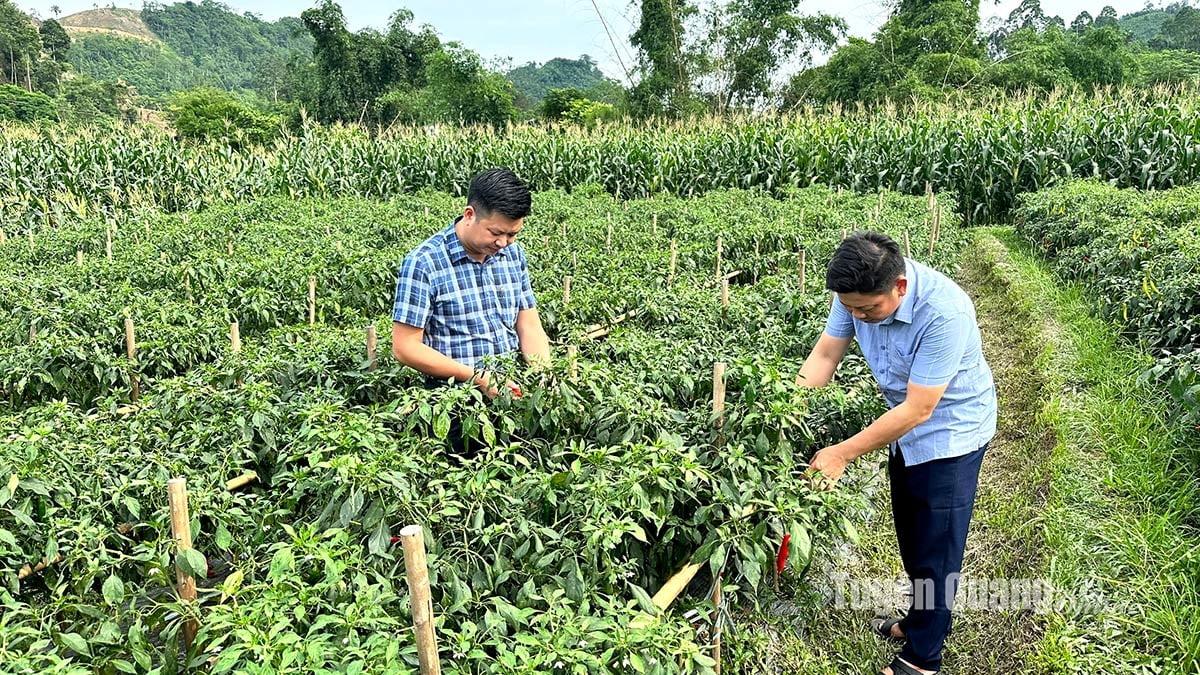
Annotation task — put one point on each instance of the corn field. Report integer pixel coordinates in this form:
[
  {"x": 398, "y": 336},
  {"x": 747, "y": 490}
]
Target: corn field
[{"x": 987, "y": 156}]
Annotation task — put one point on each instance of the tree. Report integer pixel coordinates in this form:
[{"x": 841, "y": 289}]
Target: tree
[
  {"x": 665, "y": 84},
  {"x": 1107, "y": 17},
  {"x": 1082, "y": 22},
  {"x": 55, "y": 41},
  {"x": 461, "y": 90},
  {"x": 1181, "y": 31},
  {"x": 558, "y": 101},
  {"x": 20, "y": 105},
  {"x": 20, "y": 45},
  {"x": 757, "y": 36},
  {"x": 1100, "y": 57},
  {"x": 207, "y": 114}
]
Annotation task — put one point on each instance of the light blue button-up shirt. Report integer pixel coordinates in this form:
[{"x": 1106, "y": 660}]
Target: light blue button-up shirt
[{"x": 932, "y": 339}]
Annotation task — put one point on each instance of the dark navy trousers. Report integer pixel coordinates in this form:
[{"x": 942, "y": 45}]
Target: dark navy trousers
[{"x": 932, "y": 504}]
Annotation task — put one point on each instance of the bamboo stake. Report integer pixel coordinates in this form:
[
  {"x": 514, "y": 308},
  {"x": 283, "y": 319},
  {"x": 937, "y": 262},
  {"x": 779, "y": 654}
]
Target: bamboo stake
[
  {"x": 79, "y": 258},
  {"x": 181, "y": 529},
  {"x": 3, "y": 236},
  {"x": 675, "y": 585},
  {"x": 573, "y": 363},
  {"x": 654, "y": 225},
  {"x": 843, "y": 234},
  {"x": 608, "y": 237},
  {"x": 235, "y": 344},
  {"x": 131, "y": 351},
  {"x": 230, "y": 246},
  {"x": 718, "y": 403},
  {"x": 241, "y": 481},
  {"x": 372, "y": 348},
  {"x": 417, "y": 572},
  {"x": 674, "y": 259},
  {"x": 803, "y": 268},
  {"x": 312, "y": 301},
  {"x": 717, "y": 272},
  {"x": 725, "y": 292},
  {"x": 31, "y": 240},
  {"x": 566, "y": 291},
  {"x": 30, "y": 570},
  {"x": 716, "y": 622},
  {"x": 426, "y": 211},
  {"x": 907, "y": 248},
  {"x": 108, "y": 244}
]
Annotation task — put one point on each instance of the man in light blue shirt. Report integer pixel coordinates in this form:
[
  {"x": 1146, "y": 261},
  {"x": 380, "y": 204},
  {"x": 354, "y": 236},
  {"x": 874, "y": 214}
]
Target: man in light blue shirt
[{"x": 917, "y": 330}]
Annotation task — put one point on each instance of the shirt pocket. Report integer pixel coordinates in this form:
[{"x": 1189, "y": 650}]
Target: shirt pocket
[
  {"x": 900, "y": 359},
  {"x": 507, "y": 288}
]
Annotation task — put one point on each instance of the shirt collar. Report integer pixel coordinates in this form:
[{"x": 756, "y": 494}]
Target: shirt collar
[
  {"x": 904, "y": 313},
  {"x": 454, "y": 247}
]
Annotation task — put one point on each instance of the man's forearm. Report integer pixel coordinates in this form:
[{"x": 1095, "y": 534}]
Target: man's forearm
[
  {"x": 882, "y": 432},
  {"x": 535, "y": 345},
  {"x": 433, "y": 363}
]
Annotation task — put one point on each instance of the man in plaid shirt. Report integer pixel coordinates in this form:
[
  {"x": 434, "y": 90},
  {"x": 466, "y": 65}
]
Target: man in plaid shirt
[{"x": 464, "y": 294}]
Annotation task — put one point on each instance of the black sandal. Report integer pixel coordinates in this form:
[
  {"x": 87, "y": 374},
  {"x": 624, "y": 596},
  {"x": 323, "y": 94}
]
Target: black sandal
[
  {"x": 901, "y": 668},
  {"x": 882, "y": 626}
]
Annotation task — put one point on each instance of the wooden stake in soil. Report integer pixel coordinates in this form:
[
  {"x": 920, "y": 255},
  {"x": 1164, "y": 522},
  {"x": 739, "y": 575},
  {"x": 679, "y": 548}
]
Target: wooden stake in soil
[
  {"x": 181, "y": 528},
  {"x": 31, "y": 240},
  {"x": 131, "y": 351},
  {"x": 372, "y": 348},
  {"x": 312, "y": 301},
  {"x": 79, "y": 258},
  {"x": 417, "y": 572},
  {"x": 235, "y": 344},
  {"x": 717, "y": 273},
  {"x": 674, "y": 259},
  {"x": 3, "y": 236},
  {"x": 241, "y": 481},
  {"x": 608, "y": 237},
  {"x": 803, "y": 268},
  {"x": 654, "y": 225},
  {"x": 108, "y": 244},
  {"x": 718, "y": 403},
  {"x": 716, "y": 622},
  {"x": 573, "y": 363},
  {"x": 907, "y": 248},
  {"x": 725, "y": 293},
  {"x": 566, "y": 291},
  {"x": 32, "y": 331}
]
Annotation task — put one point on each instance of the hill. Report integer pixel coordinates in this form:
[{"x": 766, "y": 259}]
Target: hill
[
  {"x": 123, "y": 23},
  {"x": 168, "y": 47}
]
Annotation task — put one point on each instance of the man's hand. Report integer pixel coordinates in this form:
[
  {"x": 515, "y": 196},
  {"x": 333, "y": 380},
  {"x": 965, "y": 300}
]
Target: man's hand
[
  {"x": 831, "y": 462},
  {"x": 484, "y": 382}
]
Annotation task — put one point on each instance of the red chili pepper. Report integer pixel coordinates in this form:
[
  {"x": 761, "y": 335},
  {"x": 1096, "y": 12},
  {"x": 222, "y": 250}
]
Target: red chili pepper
[
  {"x": 395, "y": 539},
  {"x": 781, "y": 559},
  {"x": 516, "y": 391}
]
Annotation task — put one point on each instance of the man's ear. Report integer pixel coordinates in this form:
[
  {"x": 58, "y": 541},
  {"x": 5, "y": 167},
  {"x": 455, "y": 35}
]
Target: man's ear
[
  {"x": 902, "y": 285},
  {"x": 469, "y": 214}
]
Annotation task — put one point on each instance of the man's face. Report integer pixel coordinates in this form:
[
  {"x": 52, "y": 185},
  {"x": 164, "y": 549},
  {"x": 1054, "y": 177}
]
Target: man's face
[
  {"x": 875, "y": 307},
  {"x": 485, "y": 236}
]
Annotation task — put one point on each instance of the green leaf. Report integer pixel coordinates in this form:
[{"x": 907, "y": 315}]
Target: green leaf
[
  {"x": 223, "y": 538},
  {"x": 801, "y": 545},
  {"x": 380, "y": 538},
  {"x": 113, "y": 590},
  {"x": 850, "y": 530},
  {"x": 192, "y": 562},
  {"x": 76, "y": 643},
  {"x": 281, "y": 564},
  {"x": 441, "y": 426},
  {"x": 643, "y": 599},
  {"x": 639, "y": 534}
]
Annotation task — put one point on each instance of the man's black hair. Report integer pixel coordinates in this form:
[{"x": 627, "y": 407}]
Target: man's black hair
[
  {"x": 499, "y": 190},
  {"x": 865, "y": 262}
]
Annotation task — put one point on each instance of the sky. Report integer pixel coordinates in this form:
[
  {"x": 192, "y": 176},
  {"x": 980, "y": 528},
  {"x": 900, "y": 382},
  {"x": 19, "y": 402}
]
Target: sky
[{"x": 539, "y": 30}]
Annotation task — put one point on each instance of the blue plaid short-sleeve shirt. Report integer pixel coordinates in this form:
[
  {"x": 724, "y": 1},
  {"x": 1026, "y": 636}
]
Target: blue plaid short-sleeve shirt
[{"x": 467, "y": 308}]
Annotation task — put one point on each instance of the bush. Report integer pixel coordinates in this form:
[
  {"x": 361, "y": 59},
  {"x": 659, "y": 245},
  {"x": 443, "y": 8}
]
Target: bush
[
  {"x": 211, "y": 115},
  {"x": 23, "y": 106}
]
